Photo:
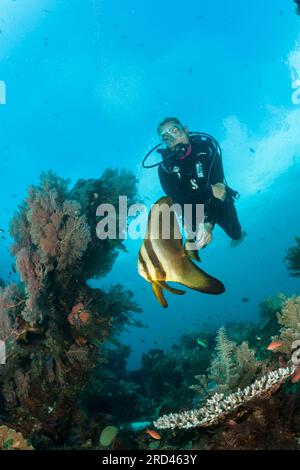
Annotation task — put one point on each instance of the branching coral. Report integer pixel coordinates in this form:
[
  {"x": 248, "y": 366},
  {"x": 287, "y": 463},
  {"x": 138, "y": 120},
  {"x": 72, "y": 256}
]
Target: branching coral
[
  {"x": 232, "y": 366},
  {"x": 12, "y": 440},
  {"x": 292, "y": 259},
  {"x": 221, "y": 407}
]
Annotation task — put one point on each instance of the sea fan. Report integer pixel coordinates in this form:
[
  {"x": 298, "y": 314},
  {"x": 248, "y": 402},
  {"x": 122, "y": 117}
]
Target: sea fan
[
  {"x": 289, "y": 320},
  {"x": 232, "y": 366},
  {"x": 292, "y": 259}
]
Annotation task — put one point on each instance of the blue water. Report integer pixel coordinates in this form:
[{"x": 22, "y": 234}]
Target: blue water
[{"x": 88, "y": 81}]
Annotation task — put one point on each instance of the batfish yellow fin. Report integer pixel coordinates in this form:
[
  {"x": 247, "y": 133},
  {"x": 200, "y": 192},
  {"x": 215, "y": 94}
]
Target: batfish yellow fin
[
  {"x": 165, "y": 286},
  {"x": 193, "y": 254},
  {"x": 163, "y": 258},
  {"x": 159, "y": 294}
]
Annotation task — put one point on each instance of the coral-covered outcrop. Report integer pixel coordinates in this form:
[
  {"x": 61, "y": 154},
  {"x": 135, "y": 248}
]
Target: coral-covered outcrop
[
  {"x": 54, "y": 324},
  {"x": 272, "y": 424},
  {"x": 234, "y": 378},
  {"x": 239, "y": 389}
]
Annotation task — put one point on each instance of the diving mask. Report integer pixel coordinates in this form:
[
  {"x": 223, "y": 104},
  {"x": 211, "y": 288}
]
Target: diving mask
[{"x": 172, "y": 133}]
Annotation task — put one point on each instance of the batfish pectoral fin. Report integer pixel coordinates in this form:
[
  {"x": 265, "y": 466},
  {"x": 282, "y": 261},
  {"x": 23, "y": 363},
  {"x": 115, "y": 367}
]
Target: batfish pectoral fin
[
  {"x": 195, "y": 278},
  {"x": 193, "y": 254},
  {"x": 165, "y": 286},
  {"x": 159, "y": 294}
]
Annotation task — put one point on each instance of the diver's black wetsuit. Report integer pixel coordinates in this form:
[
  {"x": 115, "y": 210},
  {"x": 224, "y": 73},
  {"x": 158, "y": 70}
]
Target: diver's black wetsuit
[{"x": 188, "y": 181}]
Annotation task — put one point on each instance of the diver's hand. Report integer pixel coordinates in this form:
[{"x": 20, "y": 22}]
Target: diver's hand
[
  {"x": 204, "y": 237},
  {"x": 219, "y": 191}
]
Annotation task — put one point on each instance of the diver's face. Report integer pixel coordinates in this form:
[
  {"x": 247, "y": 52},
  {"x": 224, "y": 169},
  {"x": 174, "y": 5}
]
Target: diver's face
[{"x": 172, "y": 134}]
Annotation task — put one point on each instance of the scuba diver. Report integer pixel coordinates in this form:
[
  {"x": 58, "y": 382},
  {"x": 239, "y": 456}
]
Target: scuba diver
[{"x": 191, "y": 172}]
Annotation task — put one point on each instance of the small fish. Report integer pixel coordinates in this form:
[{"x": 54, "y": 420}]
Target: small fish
[
  {"x": 245, "y": 300},
  {"x": 202, "y": 342},
  {"x": 296, "y": 375},
  {"x": 274, "y": 345},
  {"x": 13, "y": 268},
  {"x": 153, "y": 434},
  {"x": 2, "y": 230},
  {"x": 251, "y": 149},
  {"x": 258, "y": 338}
]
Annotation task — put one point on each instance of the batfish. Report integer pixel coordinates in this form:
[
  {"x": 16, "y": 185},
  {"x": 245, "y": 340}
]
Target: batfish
[{"x": 162, "y": 259}]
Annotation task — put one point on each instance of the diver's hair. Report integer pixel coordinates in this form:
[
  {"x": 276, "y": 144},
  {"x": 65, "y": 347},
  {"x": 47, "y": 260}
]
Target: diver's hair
[{"x": 168, "y": 119}]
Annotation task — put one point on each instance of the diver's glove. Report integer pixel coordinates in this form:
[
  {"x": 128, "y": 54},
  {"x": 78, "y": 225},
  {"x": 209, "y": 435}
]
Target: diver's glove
[
  {"x": 202, "y": 239},
  {"x": 219, "y": 191}
]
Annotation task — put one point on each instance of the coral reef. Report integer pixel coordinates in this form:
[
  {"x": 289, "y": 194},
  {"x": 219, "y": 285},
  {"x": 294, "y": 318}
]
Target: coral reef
[
  {"x": 165, "y": 377},
  {"x": 221, "y": 407},
  {"x": 240, "y": 413},
  {"x": 268, "y": 313},
  {"x": 12, "y": 440},
  {"x": 292, "y": 258},
  {"x": 10, "y": 299},
  {"x": 233, "y": 366},
  {"x": 111, "y": 386},
  {"x": 55, "y": 326},
  {"x": 65, "y": 379},
  {"x": 51, "y": 235},
  {"x": 272, "y": 424},
  {"x": 240, "y": 377}
]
